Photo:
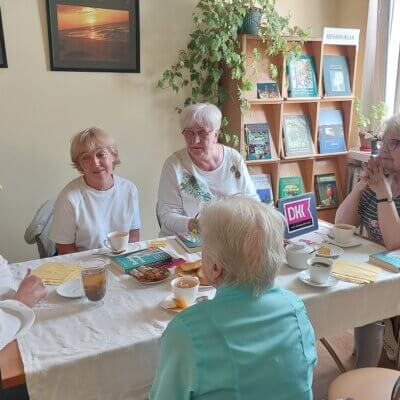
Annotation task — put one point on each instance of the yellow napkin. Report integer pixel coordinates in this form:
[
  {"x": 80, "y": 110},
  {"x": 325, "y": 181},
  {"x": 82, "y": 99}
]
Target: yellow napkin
[
  {"x": 56, "y": 273},
  {"x": 354, "y": 272},
  {"x": 157, "y": 243}
]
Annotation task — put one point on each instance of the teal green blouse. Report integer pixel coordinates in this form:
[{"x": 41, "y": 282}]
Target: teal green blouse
[{"x": 238, "y": 346}]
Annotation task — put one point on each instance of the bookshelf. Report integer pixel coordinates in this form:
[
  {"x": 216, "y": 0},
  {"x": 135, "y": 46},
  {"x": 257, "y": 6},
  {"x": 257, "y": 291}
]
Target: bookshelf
[{"x": 274, "y": 110}]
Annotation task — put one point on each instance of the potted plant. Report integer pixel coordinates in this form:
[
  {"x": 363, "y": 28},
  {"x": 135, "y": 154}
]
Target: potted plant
[
  {"x": 214, "y": 46},
  {"x": 370, "y": 125}
]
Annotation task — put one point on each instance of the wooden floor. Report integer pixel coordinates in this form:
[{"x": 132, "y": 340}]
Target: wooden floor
[{"x": 327, "y": 371}]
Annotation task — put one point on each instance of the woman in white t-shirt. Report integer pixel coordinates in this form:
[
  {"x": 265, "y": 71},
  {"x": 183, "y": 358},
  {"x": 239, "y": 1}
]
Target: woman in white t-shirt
[
  {"x": 202, "y": 171},
  {"x": 98, "y": 202}
]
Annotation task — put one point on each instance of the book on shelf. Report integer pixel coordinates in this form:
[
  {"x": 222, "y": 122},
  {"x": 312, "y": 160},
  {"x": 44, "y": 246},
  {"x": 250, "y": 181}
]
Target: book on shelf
[
  {"x": 262, "y": 183},
  {"x": 268, "y": 90},
  {"x": 290, "y": 186},
  {"x": 189, "y": 241},
  {"x": 330, "y": 131},
  {"x": 258, "y": 141},
  {"x": 300, "y": 214},
  {"x": 301, "y": 77},
  {"x": 389, "y": 260},
  {"x": 336, "y": 76},
  {"x": 296, "y": 135},
  {"x": 354, "y": 175},
  {"x": 326, "y": 190},
  {"x": 150, "y": 257}
]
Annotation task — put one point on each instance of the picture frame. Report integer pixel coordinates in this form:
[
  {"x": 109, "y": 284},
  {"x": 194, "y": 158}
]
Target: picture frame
[
  {"x": 3, "y": 55},
  {"x": 94, "y": 35}
]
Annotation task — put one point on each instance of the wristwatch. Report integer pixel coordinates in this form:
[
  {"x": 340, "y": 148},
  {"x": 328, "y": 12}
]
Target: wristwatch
[{"x": 385, "y": 200}]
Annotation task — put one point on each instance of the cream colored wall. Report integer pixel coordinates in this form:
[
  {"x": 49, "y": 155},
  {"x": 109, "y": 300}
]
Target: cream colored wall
[{"x": 40, "y": 109}]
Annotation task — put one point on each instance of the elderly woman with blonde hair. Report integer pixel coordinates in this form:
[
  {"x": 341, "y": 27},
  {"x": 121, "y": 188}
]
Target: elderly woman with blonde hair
[
  {"x": 98, "y": 202},
  {"x": 201, "y": 172},
  {"x": 253, "y": 338}
]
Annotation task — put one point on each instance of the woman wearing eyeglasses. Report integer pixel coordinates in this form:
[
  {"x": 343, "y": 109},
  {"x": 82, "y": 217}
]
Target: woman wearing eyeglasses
[
  {"x": 375, "y": 203},
  {"x": 202, "y": 171}
]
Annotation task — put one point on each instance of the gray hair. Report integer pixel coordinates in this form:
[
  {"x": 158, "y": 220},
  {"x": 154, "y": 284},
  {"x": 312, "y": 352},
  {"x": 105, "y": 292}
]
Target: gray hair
[
  {"x": 245, "y": 238},
  {"x": 89, "y": 140},
  {"x": 393, "y": 124},
  {"x": 206, "y": 115}
]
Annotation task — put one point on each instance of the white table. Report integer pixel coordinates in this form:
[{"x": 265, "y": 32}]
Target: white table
[{"x": 110, "y": 352}]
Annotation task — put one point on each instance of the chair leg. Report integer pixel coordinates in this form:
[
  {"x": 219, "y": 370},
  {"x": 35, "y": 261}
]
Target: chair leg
[{"x": 332, "y": 353}]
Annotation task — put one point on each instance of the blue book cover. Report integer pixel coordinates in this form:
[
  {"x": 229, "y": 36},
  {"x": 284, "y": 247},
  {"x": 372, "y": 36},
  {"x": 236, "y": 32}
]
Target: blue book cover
[
  {"x": 330, "y": 131},
  {"x": 389, "y": 259},
  {"x": 301, "y": 76},
  {"x": 336, "y": 76},
  {"x": 258, "y": 141},
  {"x": 268, "y": 90},
  {"x": 300, "y": 214},
  {"x": 262, "y": 183}
]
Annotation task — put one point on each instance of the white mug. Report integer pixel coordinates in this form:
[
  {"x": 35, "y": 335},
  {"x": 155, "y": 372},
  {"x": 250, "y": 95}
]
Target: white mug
[
  {"x": 320, "y": 269},
  {"x": 187, "y": 294},
  {"x": 117, "y": 241},
  {"x": 344, "y": 233}
]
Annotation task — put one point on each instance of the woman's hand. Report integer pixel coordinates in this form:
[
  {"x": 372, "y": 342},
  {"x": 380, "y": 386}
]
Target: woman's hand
[
  {"x": 376, "y": 179},
  {"x": 31, "y": 290}
]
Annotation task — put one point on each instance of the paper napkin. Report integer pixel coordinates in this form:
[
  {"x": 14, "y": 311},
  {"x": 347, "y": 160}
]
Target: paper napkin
[
  {"x": 354, "y": 272},
  {"x": 56, "y": 273}
]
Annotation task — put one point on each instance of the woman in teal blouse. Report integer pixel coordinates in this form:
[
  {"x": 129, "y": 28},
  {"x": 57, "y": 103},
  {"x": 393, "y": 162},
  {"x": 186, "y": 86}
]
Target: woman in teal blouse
[{"x": 253, "y": 340}]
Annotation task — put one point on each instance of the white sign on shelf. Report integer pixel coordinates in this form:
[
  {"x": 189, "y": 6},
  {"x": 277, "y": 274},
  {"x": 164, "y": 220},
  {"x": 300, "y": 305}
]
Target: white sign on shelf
[{"x": 341, "y": 36}]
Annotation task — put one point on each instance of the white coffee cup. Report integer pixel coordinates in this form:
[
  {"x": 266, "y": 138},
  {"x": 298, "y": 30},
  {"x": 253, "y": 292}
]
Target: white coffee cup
[
  {"x": 117, "y": 241},
  {"x": 187, "y": 294},
  {"x": 320, "y": 269},
  {"x": 343, "y": 233}
]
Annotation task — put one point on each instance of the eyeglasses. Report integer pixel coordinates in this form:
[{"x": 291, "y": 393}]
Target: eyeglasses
[
  {"x": 390, "y": 144},
  {"x": 201, "y": 133}
]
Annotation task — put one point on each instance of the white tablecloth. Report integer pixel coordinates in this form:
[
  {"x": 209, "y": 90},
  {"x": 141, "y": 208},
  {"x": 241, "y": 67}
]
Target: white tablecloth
[{"x": 79, "y": 351}]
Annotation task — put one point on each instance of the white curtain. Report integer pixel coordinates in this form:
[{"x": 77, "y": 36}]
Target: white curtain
[{"x": 393, "y": 72}]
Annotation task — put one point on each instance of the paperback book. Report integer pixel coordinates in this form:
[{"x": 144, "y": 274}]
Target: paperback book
[
  {"x": 330, "y": 131},
  {"x": 290, "y": 186},
  {"x": 297, "y": 135},
  {"x": 258, "y": 141},
  {"x": 302, "y": 79},
  {"x": 262, "y": 183},
  {"x": 389, "y": 260},
  {"x": 189, "y": 241},
  {"x": 268, "y": 90},
  {"x": 336, "y": 76},
  {"x": 326, "y": 190}
]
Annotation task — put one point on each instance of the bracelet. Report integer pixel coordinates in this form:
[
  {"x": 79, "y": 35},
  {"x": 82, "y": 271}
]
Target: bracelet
[{"x": 384, "y": 200}]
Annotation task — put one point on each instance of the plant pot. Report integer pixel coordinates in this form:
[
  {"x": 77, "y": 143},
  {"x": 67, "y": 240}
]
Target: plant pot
[
  {"x": 365, "y": 144},
  {"x": 251, "y": 22}
]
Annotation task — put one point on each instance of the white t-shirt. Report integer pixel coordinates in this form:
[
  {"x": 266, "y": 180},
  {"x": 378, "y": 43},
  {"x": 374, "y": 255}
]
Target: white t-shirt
[
  {"x": 84, "y": 216},
  {"x": 183, "y": 187}
]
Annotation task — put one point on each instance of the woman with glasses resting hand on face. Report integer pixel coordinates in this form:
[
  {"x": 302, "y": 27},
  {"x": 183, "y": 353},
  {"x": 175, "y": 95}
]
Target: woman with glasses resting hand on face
[
  {"x": 98, "y": 202},
  {"x": 375, "y": 203},
  {"x": 202, "y": 171}
]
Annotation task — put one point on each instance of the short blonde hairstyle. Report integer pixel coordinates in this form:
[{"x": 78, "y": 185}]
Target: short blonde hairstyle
[
  {"x": 245, "y": 238},
  {"x": 89, "y": 140},
  {"x": 392, "y": 125},
  {"x": 205, "y": 115}
]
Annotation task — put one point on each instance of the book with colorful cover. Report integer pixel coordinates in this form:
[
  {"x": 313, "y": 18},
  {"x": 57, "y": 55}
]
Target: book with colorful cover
[
  {"x": 326, "y": 190},
  {"x": 268, "y": 90},
  {"x": 262, "y": 183},
  {"x": 258, "y": 141},
  {"x": 300, "y": 214},
  {"x": 297, "y": 136},
  {"x": 336, "y": 76},
  {"x": 330, "y": 131},
  {"x": 290, "y": 186},
  {"x": 189, "y": 241},
  {"x": 389, "y": 260},
  {"x": 301, "y": 76}
]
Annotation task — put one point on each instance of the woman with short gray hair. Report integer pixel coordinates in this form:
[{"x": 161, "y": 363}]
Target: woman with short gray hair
[
  {"x": 253, "y": 338},
  {"x": 202, "y": 171}
]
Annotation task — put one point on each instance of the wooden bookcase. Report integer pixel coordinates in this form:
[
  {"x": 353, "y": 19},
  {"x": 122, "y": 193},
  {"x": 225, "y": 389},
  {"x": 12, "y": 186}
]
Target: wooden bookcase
[{"x": 273, "y": 111}]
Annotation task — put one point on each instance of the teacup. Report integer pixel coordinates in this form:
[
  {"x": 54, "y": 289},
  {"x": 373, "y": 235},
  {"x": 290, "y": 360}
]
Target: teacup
[
  {"x": 320, "y": 269},
  {"x": 185, "y": 288},
  {"x": 344, "y": 233},
  {"x": 117, "y": 241}
]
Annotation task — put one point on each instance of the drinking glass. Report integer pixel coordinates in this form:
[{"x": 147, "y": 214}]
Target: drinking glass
[{"x": 94, "y": 279}]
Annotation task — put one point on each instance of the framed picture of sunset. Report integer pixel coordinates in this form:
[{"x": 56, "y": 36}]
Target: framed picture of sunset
[
  {"x": 3, "y": 57},
  {"x": 94, "y": 35}
]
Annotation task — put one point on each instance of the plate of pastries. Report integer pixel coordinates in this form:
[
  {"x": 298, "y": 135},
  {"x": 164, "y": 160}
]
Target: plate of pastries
[{"x": 193, "y": 269}]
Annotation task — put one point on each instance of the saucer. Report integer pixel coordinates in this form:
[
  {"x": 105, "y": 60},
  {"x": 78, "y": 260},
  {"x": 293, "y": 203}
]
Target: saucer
[
  {"x": 304, "y": 276},
  {"x": 354, "y": 242},
  {"x": 167, "y": 303},
  {"x": 71, "y": 289},
  {"x": 335, "y": 251}
]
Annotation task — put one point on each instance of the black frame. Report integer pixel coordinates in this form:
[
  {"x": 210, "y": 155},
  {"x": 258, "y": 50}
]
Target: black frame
[
  {"x": 3, "y": 55},
  {"x": 95, "y": 66}
]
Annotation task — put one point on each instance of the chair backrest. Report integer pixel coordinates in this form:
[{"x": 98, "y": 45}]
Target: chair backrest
[
  {"x": 396, "y": 390},
  {"x": 38, "y": 230},
  {"x": 158, "y": 216}
]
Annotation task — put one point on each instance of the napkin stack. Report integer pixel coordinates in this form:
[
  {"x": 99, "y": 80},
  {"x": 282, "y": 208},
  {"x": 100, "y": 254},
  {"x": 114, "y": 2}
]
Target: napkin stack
[
  {"x": 355, "y": 273},
  {"x": 56, "y": 273}
]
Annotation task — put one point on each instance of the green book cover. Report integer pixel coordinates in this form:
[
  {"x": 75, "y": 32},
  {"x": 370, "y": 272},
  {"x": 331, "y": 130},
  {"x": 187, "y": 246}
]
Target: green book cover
[
  {"x": 326, "y": 190},
  {"x": 296, "y": 135},
  {"x": 290, "y": 186},
  {"x": 302, "y": 79}
]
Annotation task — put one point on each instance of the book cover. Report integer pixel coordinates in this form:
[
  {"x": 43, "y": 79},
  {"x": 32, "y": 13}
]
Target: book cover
[
  {"x": 330, "y": 131},
  {"x": 262, "y": 183},
  {"x": 258, "y": 141},
  {"x": 290, "y": 186},
  {"x": 268, "y": 90},
  {"x": 300, "y": 214},
  {"x": 145, "y": 257},
  {"x": 336, "y": 76},
  {"x": 326, "y": 190},
  {"x": 301, "y": 76},
  {"x": 389, "y": 260},
  {"x": 190, "y": 242},
  {"x": 296, "y": 135}
]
